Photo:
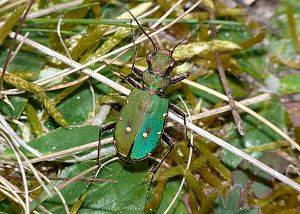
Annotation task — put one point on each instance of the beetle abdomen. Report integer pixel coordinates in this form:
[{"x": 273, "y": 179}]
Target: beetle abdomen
[{"x": 140, "y": 124}]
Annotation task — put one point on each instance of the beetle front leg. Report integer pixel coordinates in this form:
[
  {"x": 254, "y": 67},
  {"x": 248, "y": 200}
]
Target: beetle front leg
[
  {"x": 136, "y": 70},
  {"x": 131, "y": 81},
  {"x": 179, "y": 78}
]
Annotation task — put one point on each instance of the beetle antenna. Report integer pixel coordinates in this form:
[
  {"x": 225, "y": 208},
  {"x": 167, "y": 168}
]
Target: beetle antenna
[
  {"x": 134, "y": 45},
  {"x": 186, "y": 38},
  {"x": 154, "y": 46}
]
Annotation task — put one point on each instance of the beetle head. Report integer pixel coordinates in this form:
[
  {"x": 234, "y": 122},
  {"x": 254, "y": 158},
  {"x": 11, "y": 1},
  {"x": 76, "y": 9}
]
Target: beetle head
[{"x": 161, "y": 62}]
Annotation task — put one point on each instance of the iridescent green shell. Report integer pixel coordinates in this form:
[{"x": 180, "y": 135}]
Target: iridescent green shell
[
  {"x": 160, "y": 61},
  {"x": 140, "y": 124},
  {"x": 155, "y": 81}
]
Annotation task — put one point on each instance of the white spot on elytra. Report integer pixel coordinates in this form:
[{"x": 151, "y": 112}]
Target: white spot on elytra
[
  {"x": 145, "y": 134},
  {"x": 128, "y": 129},
  {"x": 78, "y": 98},
  {"x": 165, "y": 114},
  {"x": 158, "y": 133},
  {"x": 120, "y": 118},
  {"x": 127, "y": 101}
]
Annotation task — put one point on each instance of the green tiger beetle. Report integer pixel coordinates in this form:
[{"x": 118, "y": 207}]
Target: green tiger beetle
[
  {"x": 141, "y": 122},
  {"x": 139, "y": 128}
]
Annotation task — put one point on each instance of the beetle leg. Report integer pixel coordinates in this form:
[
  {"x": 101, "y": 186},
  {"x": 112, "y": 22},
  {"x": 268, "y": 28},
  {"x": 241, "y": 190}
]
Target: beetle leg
[
  {"x": 131, "y": 81},
  {"x": 179, "y": 78},
  {"x": 183, "y": 115},
  {"x": 136, "y": 70},
  {"x": 167, "y": 139},
  {"x": 103, "y": 128}
]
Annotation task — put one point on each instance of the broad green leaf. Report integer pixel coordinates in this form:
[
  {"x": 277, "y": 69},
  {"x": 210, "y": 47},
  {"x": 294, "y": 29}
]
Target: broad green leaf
[
  {"x": 256, "y": 132},
  {"x": 18, "y": 102},
  {"x": 24, "y": 61},
  {"x": 290, "y": 84},
  {"x": 11, "y": 21},
  {"x": 65, "y": 138},
  {"x": 231, "y": 204},
  {"x": 126, "y": 195},
  {"x": 76, "y": 107}
]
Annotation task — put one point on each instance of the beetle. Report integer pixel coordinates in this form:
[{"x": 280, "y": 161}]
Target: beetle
[
  {"x": 140, "y": 125},
  {"x": 141, "y": 121}
]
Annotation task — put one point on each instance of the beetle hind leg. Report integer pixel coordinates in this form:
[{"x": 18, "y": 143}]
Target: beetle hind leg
[
  {"x": 183, "y": 115},
  {"x": 102, "y": 129},
  {"x": 166, "y": 138}
]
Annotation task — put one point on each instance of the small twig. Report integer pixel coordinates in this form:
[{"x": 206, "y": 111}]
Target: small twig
[
  {"x": 196, "y": 129},
  {"x": 11, "y": 191},
  {"x": 253, "y": 100},
  {"x": 57, "y": 190},
  {"x": 61, "y": 39},
  {"x": 12, "y": 44},
  {"x": 188, "y": 163},
  {"x": 19, "y": 47},
  {"x": 62, "y": 178},
  {"x": 227, "y": 89},
  {"x": 246, "y": 109},
  {"x": 22, "y": 170},
  {"x": 73, "y": 150},
  {"x": 16, "y": 139},
  {"x": 11, "y": 5}
]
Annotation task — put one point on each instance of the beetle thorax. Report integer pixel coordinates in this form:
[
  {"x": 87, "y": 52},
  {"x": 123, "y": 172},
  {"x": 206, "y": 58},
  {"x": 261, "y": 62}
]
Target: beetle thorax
[
  {"x": 155, "y": 82},
  {"x": 160, "y": 62}
]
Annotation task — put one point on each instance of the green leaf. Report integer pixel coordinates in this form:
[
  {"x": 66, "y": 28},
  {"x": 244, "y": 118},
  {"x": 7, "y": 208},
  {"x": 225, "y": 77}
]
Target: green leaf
[
  {"x": 203, "y": 48},
  {"x": 256, "y": 132},
  {"x": 254, "y": 66},
  {"x": 76, "y": 107},
  {"x": 11, "y": 21},
  {"x": 65, "y": 138},
  {"x": 24, "y": 61},
  {"x": 126, "y": 195},
  {"x": 232, "y": 204},
  {"x": 213, "y": 81},
  {"x": 290, "y": 84},
  {"x": 18, "y": 103}
]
